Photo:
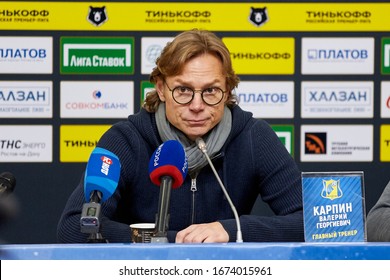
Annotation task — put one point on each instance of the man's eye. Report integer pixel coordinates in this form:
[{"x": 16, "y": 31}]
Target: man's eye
[
  {"x": 184, "y": 90},
  {"x": 211, "y": 90}
]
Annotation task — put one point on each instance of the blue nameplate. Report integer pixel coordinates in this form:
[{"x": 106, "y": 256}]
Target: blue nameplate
[{"x": 334, "y": 206}]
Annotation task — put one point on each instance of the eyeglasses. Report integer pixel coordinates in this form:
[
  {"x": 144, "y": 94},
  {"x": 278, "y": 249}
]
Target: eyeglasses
[{"x": 184, "y": 95}]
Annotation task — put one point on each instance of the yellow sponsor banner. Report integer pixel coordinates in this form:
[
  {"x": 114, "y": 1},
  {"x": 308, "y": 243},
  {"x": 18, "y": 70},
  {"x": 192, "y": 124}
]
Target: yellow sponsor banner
[
  {"x": 78, "y": 141},
  {"x": 253, "y": 56},
  {"x": 170, "y": 16},
  {"x": 385, "y": 143}
]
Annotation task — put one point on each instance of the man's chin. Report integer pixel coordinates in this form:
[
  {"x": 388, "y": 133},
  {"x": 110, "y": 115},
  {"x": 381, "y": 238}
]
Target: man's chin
[{"x": 193, "y": 136}]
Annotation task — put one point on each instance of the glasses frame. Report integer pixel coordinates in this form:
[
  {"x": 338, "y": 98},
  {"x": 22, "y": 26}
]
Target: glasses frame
[{"x": 193, "y": 94}]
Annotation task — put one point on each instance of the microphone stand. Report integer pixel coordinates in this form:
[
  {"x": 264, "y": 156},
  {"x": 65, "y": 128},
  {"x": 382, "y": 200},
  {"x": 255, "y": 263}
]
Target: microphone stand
[
  {"x": 202, "y": 146},
  {"x": 96, "y": 238},
  {"x": 162, "y": 217},
  {"x": 90, "y": 219}
]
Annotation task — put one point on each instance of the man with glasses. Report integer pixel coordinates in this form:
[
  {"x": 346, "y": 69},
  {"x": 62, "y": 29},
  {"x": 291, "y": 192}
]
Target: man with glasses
[
  {"x": 193, "y": 97},
  {"x": 378, "y": 219}
]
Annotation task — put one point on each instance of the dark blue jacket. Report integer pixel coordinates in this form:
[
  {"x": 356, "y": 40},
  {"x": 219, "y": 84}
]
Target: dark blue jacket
[{"x": 252, "y": 162}]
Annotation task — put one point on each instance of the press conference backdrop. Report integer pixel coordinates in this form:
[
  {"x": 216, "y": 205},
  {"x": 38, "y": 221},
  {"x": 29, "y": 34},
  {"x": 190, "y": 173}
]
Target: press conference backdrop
[{"x": 317, "y": 72}]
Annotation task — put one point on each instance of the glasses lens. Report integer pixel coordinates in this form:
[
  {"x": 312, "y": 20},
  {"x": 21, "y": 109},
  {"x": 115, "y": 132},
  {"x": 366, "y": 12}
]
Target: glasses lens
[
  {"x": 182, "y": 95},
  {"x": 212, "y": 95}
]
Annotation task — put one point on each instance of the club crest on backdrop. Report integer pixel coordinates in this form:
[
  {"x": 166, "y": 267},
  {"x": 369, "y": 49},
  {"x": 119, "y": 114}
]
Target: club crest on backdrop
[
  {"x": 97, "y": 15},
  {"x": 258, "y": 16}
]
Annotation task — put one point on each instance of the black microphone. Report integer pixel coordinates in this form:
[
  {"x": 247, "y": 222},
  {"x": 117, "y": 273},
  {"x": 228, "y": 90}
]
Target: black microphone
[
  {"x": 202, "y": 146},
  {"x": 9, "y": 207},
  {"x": 167, "y": 169},
  {"x": 7, "y": 183}
]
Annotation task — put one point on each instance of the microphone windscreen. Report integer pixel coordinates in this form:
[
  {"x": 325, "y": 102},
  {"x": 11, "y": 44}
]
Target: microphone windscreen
[
  {"x": 102, "y": 173},
  {"x": 7, "y": 180},
  {"x": 169, "y": 159}
]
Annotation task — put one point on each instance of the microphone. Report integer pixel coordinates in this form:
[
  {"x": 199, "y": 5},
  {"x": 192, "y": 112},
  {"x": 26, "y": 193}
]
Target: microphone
[
  {"x": 202, "y": 146},
  {"x": 7, "y": 183},
  {"x": 167, "y": 169},
  {"x": 100, "y": 182},
  {"x": 9, "y": 207}
]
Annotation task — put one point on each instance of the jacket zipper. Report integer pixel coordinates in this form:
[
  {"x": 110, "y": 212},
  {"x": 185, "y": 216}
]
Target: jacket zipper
[{"x": 193, "y": 189}]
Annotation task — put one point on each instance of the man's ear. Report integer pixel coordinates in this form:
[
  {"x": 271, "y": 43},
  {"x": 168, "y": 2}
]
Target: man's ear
[{"x": 160, "y": 89}]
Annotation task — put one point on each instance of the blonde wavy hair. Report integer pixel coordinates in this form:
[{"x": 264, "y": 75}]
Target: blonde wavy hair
[{"x": 186, "y": 46}]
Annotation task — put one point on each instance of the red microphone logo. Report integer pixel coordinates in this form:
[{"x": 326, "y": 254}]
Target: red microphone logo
[{"x": 106, "y": 162}]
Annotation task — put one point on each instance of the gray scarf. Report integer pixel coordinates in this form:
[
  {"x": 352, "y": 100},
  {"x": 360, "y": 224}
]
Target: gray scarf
[{"x": 214, "y": 139}]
